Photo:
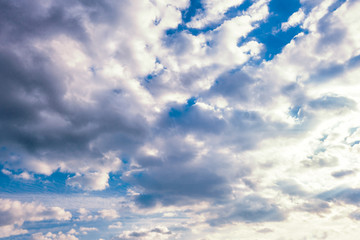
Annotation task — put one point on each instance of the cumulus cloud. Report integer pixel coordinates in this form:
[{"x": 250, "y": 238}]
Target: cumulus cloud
[
  {"x": 177, "y": 108},
  {"x": 108, "y": 214},
  {"x": 15, "y": 213},
  {"x": 55, "y": 236}
]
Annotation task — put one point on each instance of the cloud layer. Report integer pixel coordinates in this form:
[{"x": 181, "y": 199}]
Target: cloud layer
[{"x": 179, "y": 120}]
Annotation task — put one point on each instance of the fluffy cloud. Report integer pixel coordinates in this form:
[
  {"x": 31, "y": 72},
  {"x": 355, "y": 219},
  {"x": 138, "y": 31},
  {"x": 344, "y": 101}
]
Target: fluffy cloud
[
  {"x": 15, "y": 213},
  {"x": 178, "y": 110},
  {"x": 55, "y": 236}
]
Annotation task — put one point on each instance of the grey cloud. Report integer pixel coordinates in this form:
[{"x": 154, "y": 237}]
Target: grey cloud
[
  {"x": 179, "y": 185},
  {"x": 325, "y": 73},
  {"x": 101, "y": 11},
  {"x": 250, "y": 209},
  {"x": 354, "y": 62},
  {"x": 179, "y": 43},
  {"x": 291, "y": 188},
  {"x": 244, "y": 129},
  {"x": 247, "y": 128},
  {"x": 145, "y": 233},
  {"x": 355, "y": 215},
  {"x": 315, "y": 206},
  {"x": 37, "y": 121},
  {"x": 319, "y": 161},
  {"x": 236, "y": 85},
  {"x": 347, "y": 195},
  {"x": 332, "y": 102},
  {"x": 158, "y": 230},
  {"x": 336, "y": 5},
  {"x": 23, "y": 20},
  {"x": 265, "y": 230},
  {"x": 332, "y": 33},
  {"x": 342, "y": 173},
  {"x": 192, "y": 118}
]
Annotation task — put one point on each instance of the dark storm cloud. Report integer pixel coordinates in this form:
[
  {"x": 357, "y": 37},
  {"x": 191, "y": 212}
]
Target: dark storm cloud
[{"x": 250, "y": 209}]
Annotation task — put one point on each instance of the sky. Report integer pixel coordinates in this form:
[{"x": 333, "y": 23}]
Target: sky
[{"x": 179, "y": 119}]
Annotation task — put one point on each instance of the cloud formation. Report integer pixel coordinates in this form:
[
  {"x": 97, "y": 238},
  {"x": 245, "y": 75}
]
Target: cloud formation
[
  {"x": 13, "y": 214},
  {"x": 199, "y": 119}
]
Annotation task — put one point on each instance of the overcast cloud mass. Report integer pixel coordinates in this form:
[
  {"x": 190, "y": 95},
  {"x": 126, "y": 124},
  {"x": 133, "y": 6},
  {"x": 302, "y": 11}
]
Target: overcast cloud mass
[{"x": 179, "y": 119}]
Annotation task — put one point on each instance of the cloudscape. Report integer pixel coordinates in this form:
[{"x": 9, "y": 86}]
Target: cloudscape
[{"x": 179, "y": 119}]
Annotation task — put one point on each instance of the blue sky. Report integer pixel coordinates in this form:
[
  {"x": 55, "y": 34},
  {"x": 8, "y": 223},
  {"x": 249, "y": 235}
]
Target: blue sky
[{"x": 184, "y": 119}]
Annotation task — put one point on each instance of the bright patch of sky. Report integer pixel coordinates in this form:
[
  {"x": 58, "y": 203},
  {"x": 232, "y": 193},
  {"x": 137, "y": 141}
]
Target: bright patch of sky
[{"x": 186, "y": 119}]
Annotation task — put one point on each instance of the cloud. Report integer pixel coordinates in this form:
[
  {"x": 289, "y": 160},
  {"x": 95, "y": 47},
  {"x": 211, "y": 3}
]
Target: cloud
[
  {"x": 91, "y": 181},
  {"x": 87, "y": 215},
  {"x": 11, "y": 230},
  {"x": 239, "y": 116},
  {"x": 347, "y": 195},
  {"x": 182, "y": 184},
  {"x": 213, "y": 11},
  {"x": 85, "y": 230},
  {"x": 23, "y": 175},
  {"x": 55, "y": 236},
  {"x": 315, "y": 206},
  {"x": 108, "y": 214},
  {"x": 342, "y": 173},
  {"x": 250, "y": 209},
  {"x": 116, "y": 225},
  {"x": 295, "y": 19},
  {"x": 160, "y": 232},
  {"x": 291, "y": 188},
  {"x": 15, "y": 213}
]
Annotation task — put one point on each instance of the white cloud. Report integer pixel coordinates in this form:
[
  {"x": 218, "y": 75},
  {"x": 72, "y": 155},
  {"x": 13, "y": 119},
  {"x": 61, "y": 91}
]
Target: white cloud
[
  {"x": 90, "y": 181},
  {"x": 85, "y": 230},
  {"x": 294, "y": 20},
  {"x": 15, "y": 213},
  {"x": 116, "y": 225},
  {"x": 55, "y": 236},
  {"x": 108, "y": 214},
  {"x": 23, "y": 175},
  {"x": 262, "y": 142},
  {"x": 11, "y": 230},
  {"x": 85, "y": 215},
  {"x": 213, "y": 11},
  {"x": 158, "y": 232}
]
